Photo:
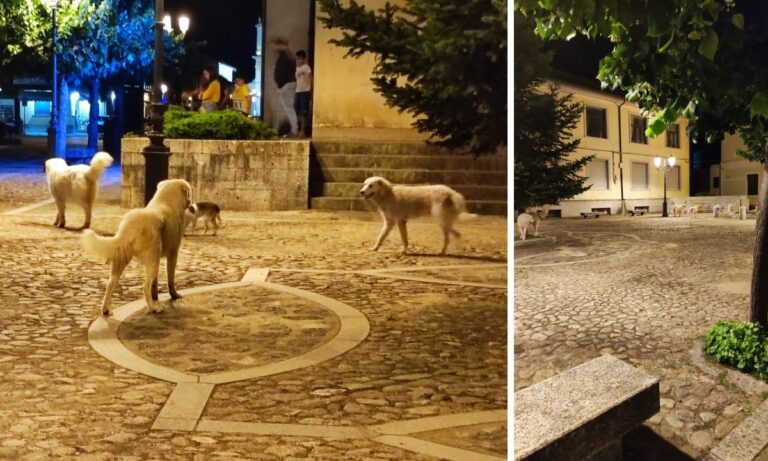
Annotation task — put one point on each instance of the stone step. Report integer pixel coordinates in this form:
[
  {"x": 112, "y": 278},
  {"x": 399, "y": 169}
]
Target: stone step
[
  {"x": 382, "y": 148},
  {"x": 484, "y": 207},
  {"x": 418, "y": 162},
  {"x": 351, "y": 189},
  {"x": 409, "y": 176}
]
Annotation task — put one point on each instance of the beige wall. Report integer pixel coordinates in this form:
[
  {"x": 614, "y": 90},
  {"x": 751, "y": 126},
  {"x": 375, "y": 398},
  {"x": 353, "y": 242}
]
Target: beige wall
[
  {"x": 345, "y": 104},
  {"x": 733, "y": 169},
  {"x": 608, "y": 150},
  {"x": 288, "y": 19}
]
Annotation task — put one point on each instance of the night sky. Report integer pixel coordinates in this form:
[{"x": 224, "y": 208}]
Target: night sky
[{"x": 228, "y": 27}]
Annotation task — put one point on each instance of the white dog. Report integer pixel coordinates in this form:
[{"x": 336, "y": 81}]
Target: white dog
[
  {"x": 398, "y": 204},
  {"x": 693, "y": 210},
  {"x": 531, "y": 216},
  {"x": 148, "y": 234},
  {"x": 76, "y": 183}
]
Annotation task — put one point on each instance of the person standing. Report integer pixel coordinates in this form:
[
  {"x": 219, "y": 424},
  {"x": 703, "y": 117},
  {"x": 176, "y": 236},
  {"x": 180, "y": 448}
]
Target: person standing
[
  {"x": 241, "y": 96},
  {"x": 211, "y": 93},
  {"x": 303, "y": 91},
  {"x": 285, "y": 79}
]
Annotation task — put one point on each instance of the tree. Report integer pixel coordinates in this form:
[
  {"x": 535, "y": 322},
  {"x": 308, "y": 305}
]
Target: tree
[
  {"x": 544, "y": 122},
  {"x": 110, "y": 45},
  {"x": 704, "y": 59},
  {"x": 443, "y": 61},
  {"x": 100, "y": 42}
]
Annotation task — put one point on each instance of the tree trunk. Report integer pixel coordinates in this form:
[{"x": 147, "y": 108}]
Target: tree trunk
[
  {"x": 93, "y": 117},
  {"x": 64, "y": 112},
  {"x": 759, "y": 296}
]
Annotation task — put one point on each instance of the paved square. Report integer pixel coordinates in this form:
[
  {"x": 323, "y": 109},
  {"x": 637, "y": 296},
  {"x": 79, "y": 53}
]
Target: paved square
[
  {"x": 645, "y": 290},
  {"x": 426, "y": 380}
]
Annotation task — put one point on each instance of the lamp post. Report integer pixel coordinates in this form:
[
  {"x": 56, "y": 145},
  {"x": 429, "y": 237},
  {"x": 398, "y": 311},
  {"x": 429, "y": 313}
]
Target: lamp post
[
  {"x": 54, "y": 85},
  {"x": 156, "y": 153},
  {"x": 664, "y": 165}
]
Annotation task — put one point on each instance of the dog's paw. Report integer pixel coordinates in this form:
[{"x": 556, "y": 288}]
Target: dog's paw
[
  {"x": 175, "y": 296},
  {"x": 155, "y": 309},
  {"x": 374, "y": 248},
  {"x": 106, "y": 312}
]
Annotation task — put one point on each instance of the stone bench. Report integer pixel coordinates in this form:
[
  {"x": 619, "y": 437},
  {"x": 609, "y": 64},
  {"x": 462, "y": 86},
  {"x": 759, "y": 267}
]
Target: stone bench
[{"x": 584, "y": 412}]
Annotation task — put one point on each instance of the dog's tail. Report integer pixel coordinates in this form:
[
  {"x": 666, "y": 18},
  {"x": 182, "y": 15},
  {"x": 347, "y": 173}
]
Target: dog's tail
[
  {"x": 457, "y": 200},
  {"x": 100, "y": 162},
  {"x": 104, "y": 249}
]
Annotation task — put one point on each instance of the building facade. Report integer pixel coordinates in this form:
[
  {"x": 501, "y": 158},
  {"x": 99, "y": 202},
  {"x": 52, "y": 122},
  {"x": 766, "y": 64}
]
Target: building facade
[
  {"x": 735, "y": 175},
  {"x": 622, "y": 170}
]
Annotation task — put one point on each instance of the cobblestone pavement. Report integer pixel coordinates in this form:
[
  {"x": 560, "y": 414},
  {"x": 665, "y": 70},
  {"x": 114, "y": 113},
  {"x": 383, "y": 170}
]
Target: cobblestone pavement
[
  {"x": 645, "y": 290},
  {"x": 433, "y": 349}
]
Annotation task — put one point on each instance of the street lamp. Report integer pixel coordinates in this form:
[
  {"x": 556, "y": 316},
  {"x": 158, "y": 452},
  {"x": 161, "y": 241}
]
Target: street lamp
[
  {"x": 156, "y": 153},
  {"x": 664, "y": 165},
  {"x": 52, "y": 151}
]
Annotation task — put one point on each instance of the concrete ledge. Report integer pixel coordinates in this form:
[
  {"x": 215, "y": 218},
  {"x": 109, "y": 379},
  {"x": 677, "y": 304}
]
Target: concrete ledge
[{"x": 583, "y": 410}]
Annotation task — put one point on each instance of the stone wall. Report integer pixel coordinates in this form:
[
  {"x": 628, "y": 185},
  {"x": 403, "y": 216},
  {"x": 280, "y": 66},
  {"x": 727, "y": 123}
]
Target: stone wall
[{"x": 237, "y": 175}]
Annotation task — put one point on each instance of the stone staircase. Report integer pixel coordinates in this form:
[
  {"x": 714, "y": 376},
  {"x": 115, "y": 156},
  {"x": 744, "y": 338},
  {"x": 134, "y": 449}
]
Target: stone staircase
[{"x": 338, "y": 169}]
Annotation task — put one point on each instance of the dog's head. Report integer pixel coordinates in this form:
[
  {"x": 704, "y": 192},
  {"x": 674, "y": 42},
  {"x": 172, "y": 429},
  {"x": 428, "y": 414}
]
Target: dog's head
[
  {"x": 374, "y": 186},
  {"x": 176, "y": 192}
]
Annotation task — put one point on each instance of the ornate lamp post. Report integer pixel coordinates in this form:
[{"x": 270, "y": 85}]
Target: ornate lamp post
[
  {"x": 54, "y": 84},
  {"x": 664, "y": 166},
  {"x": 156, "y": 153}
]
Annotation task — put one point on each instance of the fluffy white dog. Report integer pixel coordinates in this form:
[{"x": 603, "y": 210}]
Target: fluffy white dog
[
  {"x": 398, "y": 204},
  {"x": 148, "y": 234},
  {"x": 76, "y": 183},
  {"x": 531, "y": 217}
]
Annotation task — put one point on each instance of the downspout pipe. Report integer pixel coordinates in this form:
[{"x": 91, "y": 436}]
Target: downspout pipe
[{"x": 623, "y": 210}]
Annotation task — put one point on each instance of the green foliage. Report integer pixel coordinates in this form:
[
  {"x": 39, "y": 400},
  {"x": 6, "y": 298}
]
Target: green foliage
[
  {"x": 743, "y": 345},
  {"x": 544, "y": 121},
  {"x": 227, "y": 124},
  {"x": 703, "y": 59},
  {"x": 443, "y": 61}
]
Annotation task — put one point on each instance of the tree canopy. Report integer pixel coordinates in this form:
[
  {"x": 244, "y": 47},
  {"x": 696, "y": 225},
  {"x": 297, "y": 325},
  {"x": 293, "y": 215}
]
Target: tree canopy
[
  {"x": 544, "y": 122},
  {"x": 443, "y": 61},
  {"x": 703, "y": 59}
]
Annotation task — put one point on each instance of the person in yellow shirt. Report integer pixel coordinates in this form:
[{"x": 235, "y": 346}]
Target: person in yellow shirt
[
  {"x": 211, "y": 93},
  {"x": 241, "y": 96}
]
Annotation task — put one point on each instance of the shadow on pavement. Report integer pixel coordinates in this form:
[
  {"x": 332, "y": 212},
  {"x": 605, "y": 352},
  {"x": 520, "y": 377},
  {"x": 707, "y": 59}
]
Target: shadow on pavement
[{"x": 642, "y": 444}]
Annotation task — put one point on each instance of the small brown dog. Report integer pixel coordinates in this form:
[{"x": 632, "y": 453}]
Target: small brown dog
[{"x": 209, "y": 211}]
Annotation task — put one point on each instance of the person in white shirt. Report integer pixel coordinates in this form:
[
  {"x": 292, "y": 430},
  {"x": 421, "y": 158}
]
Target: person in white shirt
[{"x": 303, "y": 91}]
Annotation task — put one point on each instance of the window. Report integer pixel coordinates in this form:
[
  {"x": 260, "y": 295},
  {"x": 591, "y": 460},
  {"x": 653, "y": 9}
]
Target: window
[
  {"x": 752, "y": 184},
  {"x": 673, "y": 136},
  {"x": 597, "y": 123},
  {"x": 673, "y": 178},
  {"x": 637, "y": 127},
  {"x": 716, "y": 182},
  {"x": 597, "y": 174},
  {"x": 639, "y": 176}
]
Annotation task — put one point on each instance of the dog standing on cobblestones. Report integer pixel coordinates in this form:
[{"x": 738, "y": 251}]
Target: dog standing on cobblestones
[
  {"x": 209, "y": 211},
  {"x": 533, "y": 217},
  {"x": 75, "y": 183},
  {"x": 398, "y": 204},
  {"x": 148, "y": 234}
]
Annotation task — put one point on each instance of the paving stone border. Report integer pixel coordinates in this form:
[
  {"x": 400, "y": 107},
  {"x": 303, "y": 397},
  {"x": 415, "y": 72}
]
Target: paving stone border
[
  {"x": 747, "y": 440},
  {"x": 184, "y": 408},
  {"x": 535, "y": 241}
]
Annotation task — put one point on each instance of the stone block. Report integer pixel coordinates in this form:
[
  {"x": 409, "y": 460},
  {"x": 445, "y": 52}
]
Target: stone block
[{"x": 581, "y": 411}]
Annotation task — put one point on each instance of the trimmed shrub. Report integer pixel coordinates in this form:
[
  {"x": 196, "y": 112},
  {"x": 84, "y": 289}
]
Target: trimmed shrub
[
  {"x": 226, "y": 124},
  {"x": 743, "y": 345}
]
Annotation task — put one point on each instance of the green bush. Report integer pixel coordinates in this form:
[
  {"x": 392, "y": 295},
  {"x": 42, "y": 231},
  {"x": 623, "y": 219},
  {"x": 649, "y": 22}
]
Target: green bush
[
  {"x": 743, "y": 345},
  {"x": 226, "y": 124}
]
